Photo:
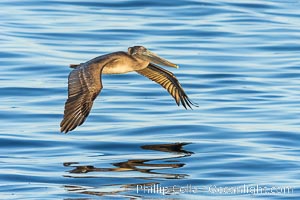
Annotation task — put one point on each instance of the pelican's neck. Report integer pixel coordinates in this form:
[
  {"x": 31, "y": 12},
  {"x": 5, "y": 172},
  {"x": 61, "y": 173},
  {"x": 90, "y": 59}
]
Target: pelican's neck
[{"x": 139, "y": 63}]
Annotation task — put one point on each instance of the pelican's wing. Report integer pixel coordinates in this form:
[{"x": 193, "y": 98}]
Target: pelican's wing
[
  {"x": 84, "y": 85},
  {"x": 167, "y": 80}
]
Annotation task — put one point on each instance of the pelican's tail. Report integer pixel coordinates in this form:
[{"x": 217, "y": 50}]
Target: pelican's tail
[{"x": 74, "y": 65}]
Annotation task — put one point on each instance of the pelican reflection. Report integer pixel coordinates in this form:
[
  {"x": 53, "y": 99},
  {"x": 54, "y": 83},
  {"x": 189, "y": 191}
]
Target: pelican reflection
[{"x": 149, "y": 171}]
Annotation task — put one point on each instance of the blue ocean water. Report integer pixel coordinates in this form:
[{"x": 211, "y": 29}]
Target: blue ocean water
[{"x": 239, "y": 61}]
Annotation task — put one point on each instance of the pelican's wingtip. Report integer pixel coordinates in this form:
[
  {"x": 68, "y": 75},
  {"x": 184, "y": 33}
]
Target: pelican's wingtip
[{"x": 63, "y": 130}]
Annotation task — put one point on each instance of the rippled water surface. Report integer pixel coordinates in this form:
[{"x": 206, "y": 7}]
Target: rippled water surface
[{"x": 239, "y": 61}]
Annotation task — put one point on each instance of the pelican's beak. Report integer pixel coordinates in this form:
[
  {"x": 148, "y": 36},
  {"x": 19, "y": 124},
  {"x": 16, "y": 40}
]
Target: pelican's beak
[{"x": 158, "y": 60}]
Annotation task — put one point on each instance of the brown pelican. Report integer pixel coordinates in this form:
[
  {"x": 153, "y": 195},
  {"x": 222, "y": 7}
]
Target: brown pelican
[{"x": 84, "y": 83}]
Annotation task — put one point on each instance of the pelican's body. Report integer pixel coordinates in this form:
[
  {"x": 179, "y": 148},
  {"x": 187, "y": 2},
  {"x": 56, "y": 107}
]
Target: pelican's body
[
  {"x": 85, "y": 84},
  {"x": 121, "y": 63}
]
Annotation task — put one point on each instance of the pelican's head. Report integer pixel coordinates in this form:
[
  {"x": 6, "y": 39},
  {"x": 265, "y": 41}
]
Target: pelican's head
[{"x": 144, "y": 54}]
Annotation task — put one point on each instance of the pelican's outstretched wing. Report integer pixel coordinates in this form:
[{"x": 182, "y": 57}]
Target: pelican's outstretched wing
[
  {"x": 167, "y": 80},
  {"x": 84, "y": 85}
]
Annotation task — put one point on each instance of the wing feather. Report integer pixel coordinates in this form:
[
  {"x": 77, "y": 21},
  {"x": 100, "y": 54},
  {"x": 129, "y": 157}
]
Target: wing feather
[
  {"x": 168, "y": 81},
  {"x": 84, "y": 85}
]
